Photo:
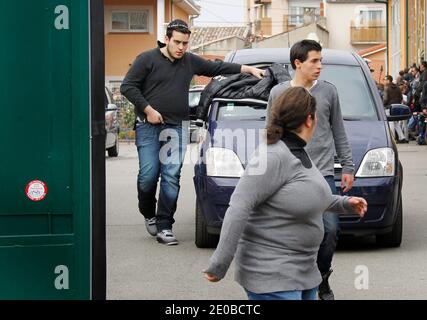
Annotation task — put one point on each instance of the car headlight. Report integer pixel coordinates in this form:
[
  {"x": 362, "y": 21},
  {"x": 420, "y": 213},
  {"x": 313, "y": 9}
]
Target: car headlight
[
  {"x": 222, "y": 162},
  {"x": 377, "y": 163}
]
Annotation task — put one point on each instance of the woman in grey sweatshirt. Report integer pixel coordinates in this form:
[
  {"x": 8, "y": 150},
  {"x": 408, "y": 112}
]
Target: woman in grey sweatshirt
[{"x": 273, "y": 226}]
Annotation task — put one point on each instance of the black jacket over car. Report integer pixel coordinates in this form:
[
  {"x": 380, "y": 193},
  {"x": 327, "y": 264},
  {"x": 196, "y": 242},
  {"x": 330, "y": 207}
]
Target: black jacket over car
[{"x": 240, "y": 86}]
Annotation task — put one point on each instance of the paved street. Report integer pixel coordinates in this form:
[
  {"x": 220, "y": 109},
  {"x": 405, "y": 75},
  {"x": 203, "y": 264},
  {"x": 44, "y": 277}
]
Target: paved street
[{"x": 140, "y": 268}]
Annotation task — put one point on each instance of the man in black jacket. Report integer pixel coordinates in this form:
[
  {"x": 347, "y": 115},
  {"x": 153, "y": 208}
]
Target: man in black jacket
[
  {"x": 392, "y": 93},
  {"x": 157, "y": 84}
]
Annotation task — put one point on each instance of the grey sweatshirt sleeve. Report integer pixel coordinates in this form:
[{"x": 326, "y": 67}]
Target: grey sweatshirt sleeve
[
  {"x": 342, "y": 146},
  {"x": 251, "y": 191},
  {"x": 340, "y": 204}
]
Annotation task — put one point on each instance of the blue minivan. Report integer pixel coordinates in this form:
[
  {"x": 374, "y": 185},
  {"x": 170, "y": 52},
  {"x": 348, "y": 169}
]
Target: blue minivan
[{"x": 234, "y": 128}]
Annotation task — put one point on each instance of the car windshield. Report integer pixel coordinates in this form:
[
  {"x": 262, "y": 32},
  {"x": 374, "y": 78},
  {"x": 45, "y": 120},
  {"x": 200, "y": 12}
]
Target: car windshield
[
  {"x": 241, "y": 111},
  {"x": 194, "y": 98},
  {"x": 354, "y": 93},
  {"x": 355, "y": 96}
]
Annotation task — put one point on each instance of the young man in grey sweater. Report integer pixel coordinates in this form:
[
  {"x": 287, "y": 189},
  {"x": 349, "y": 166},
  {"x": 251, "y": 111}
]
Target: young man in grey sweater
[{"x": 306, "y": 60}]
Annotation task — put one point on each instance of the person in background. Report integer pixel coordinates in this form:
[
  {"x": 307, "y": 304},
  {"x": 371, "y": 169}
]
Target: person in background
[
  {"x": 400, "y": 76},
  {"x": 393, "y": 95}
]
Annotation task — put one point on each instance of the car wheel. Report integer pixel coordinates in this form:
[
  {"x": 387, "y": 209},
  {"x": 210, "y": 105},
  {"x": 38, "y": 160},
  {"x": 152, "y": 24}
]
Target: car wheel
[
  {"x": 203, "y": 238},
  {"x": 114, "y": 151},
  {"x": 393, "y": 239}
]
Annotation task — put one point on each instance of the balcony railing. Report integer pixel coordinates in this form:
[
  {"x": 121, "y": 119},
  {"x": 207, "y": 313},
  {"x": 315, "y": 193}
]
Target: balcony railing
[{"x": 368, "y": 33}]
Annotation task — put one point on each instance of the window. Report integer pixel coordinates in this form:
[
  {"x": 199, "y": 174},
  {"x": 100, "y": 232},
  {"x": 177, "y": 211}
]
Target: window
[
  {"x": 130, "y": 21},
  {"x": 302, "y": 15},
  {"x": 194, "y": 98},
  {"x": 241, "y": 111},
  {"x": 267, "y": 10},
  {"x": 353, "y": 91},
  {"x": 297, "y": 15},
  {"x": 369, "y": 17}
]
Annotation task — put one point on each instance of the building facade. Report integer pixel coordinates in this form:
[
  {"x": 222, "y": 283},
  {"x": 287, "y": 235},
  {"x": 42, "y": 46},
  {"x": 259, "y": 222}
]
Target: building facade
[
  {"x": 355, "y": 25},
  {"x": 272, "y": 17},
  {"x": 407, "y": 34}
]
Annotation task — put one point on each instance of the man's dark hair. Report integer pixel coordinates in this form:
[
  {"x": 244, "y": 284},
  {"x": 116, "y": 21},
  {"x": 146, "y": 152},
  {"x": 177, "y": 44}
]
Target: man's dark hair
[
  {"x": 389, "y": 78},
  {"x": 301, "y": 49},
  {"x": 177, "y": 25},
  {"x": 424, "y": 63}
]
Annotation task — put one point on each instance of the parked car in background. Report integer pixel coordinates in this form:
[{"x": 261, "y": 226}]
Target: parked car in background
[
  {"x": 378, "y": 171},
  {"x": 112, "y": 126},
  {"x": 193, "y": 101}
]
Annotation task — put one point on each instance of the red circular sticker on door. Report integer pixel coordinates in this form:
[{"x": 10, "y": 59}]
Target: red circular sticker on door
[{"x": 36, "y": 190}]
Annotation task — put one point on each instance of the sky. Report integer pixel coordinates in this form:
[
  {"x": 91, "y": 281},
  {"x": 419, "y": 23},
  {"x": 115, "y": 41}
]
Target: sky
[{"x": 221, "y": 13}]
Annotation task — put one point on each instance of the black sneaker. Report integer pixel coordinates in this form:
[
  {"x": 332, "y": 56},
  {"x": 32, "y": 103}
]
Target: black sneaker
[
  {"x": 166, "y": 237},
  {"x": 325, "y": 291}
]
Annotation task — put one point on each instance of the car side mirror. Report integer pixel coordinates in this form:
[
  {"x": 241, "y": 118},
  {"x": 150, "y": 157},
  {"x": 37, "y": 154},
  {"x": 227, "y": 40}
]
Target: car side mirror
[
  {"x": 399, "y": 112},
  {"x": 111, "y": 107}
]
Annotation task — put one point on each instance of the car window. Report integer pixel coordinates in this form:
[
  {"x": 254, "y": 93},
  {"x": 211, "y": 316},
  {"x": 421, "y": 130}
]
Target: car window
[
  {"x": 243, "y": 111},
  {"x": 353, "y": 91},
  {"x": 194, "y": 98}
]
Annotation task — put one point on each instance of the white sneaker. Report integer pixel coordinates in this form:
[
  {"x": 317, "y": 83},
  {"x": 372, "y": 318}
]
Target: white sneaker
[{"x": 167, "y": 237}]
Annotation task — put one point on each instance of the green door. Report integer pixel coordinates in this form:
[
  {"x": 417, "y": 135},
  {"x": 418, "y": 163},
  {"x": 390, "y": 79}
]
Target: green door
[{"x": 45, "y": 157}]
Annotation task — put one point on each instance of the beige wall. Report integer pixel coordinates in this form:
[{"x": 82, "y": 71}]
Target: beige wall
[
  {"x": 274, "y": 24},
  {"x": 286, "y": 40},
  {"x": 221, "y": 48},
  {"x": 338, "y": 22},
  {"x": 279, "y": 8}
]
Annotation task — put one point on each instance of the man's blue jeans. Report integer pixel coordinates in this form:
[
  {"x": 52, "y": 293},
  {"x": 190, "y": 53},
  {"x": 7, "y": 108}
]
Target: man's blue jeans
[
  {"x": 161, "y": 152},
  {"x": 330, "y": 239},
  {"x": 284, "y": 295}
]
